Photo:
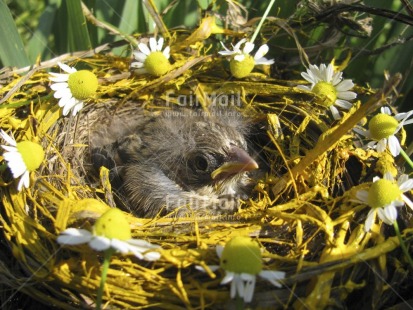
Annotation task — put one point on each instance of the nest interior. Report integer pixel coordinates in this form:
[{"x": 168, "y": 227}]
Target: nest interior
[{"x": 302, "y": 213}]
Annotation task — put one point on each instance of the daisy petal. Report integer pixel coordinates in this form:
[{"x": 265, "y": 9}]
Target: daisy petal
[
  {"x": 407, "y": 201},
  {"x": 362, "y": 195},
  {"x": 344, "y": 104},
  {"x": 385, "y": 110},
  {"x": 9, "y": 148},
  {"x": 213, "y": 268},
  {"x": 67, "y": 105},
  {"x": 237, "y": 46},
  {"x": 137, "y": 65},
  {"x": 66, "y": 68},
  {"x": 329, "y": 71},
  {"x": 120, "y": 246},
  {"x": 74, "y": 236},
  {"x": 100, "y": 243},
  {"x": 371, "y": 216},
  {"x": 160, "y": 44},
  {"x": 59, "y": 86},
  {"x": 237, "y": 285},
  {"x": 381, "y": 145},
  {"x": 249, "y": 288},
  {"x": 387, "y": 176},
  {"x": 406, "y": 185},
  {"x": 346, "y": 95},
  {"x": 402, "y": 178},
  {"x": 166, "y": 52},
  {"x": 139, "y": 56},
  {"x": 261, "y": 51},
  {"x": 78, "y": 106},
  {"x": 219, "y": 249},
  {"x": 225, "y": 49},
  {"x": 264, "y": 61},
  {"x": 309, "y": 78},
  {"x": 151, "y": 256},
  {"x": 24, "y": 181},
  {"x": 58, "y": 77},
  {"x": 303, "y": 87},
  {"x": 239, "y": 57},
  {"x": 248, "y": 47},
  {"x": 20, "y": 184},
  {"x": 144, "y": 48},
  {"x": 388, "y": 214},
  {"x": 8, "y": 138},
  {"x": 63, "y": 93},
  {"x": 153, "y": 45},
  {"x": 344, "y": 85},
  {"x": 272, "y": 276},
  {"x": 335, "y": 112},
  {"x": 394, "y": 146},
  {"x": 336, "y": 78},
  {"x": 229, "y": 276}
]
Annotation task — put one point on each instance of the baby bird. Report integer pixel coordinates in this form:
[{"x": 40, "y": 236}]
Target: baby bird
[{"x": 183, "y": 161}]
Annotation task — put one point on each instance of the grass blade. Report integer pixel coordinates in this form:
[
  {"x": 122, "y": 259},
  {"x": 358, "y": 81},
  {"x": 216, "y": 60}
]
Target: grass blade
[
  {"x": 38, "y": 44},
  {"x": 12, "y": 51},
  {"x": 78, "y": 32}
]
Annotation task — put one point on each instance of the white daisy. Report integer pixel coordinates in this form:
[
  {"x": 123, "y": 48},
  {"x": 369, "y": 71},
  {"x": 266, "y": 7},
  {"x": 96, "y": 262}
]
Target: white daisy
[
  {"x": 241, "y": 259},
  {"x": 111, "y": 231},
  {"x": 383, "y": 128},
  {"x": 383, "y": 196},
  {"x": 73, "y": 88},
  {"x": 242, "y": 62},
  {"x": 330, "y": 86},
  {"x": 22, "y": 158},
  {"x": 240, "y": 55},
  {"x": 152, "y": 59}
]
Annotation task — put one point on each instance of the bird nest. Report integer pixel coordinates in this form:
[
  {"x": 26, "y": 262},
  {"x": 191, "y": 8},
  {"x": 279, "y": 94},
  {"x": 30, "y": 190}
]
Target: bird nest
[{"x": 303, "y": 212}]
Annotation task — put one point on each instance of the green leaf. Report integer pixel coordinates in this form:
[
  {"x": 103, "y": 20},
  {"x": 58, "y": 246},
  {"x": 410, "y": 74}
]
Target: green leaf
[
  {"x": 38, "y": 44},
  {"x": 12, "y": 51},
  {"x": 78, "y": 32}
]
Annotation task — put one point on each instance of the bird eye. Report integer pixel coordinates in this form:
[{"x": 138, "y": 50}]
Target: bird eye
[{"x": 201, "y": 163}]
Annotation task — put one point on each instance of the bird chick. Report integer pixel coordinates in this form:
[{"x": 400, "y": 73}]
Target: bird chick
[{"x": 187, "y": 161}]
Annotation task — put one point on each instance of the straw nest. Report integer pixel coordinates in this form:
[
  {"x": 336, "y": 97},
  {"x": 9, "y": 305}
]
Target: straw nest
[{"x": 303, "y": 213}]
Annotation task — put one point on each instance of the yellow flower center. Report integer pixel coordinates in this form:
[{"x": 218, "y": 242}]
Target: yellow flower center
[
  {"x": 113, "y": 225},
  {"x": 382, "y": 193},
  {"x": 157, "y": 64},
  {"x": 32, "y": 153},
  {"x": 242, "y": 255},
  {"x": 83, "y": 84},
  {"x": 327, "y": 92},
  {"x": 382, "y": 126},
  {"x": 240, "y": 69}
]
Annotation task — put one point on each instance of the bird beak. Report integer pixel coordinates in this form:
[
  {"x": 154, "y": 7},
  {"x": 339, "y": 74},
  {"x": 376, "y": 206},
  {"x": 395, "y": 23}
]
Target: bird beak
[{"x": 238, "y": 161}]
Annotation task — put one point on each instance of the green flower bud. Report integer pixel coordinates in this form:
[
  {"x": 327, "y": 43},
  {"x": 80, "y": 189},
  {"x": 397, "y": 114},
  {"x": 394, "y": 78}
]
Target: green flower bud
[
  {"x": 382, "y": 126},
  {"x": 32, "y": 153},
  {"x": 242, "y": 255},
  {"x": 382, "y": 192},
  {"x": 157, "y": 64},
  {"x": 240, "y": 69},
  {"x": 83, "y": 84},
  {"x": 327, "y": 92},
  {"x": 113, "y": 225}
]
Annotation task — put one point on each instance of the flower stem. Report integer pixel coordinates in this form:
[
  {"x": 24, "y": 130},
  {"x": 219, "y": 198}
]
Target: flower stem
[
  {"x": 239, "y": 303},
  {"x": 262, "y": 21},
  {"x": 105, "y": 269},
  {"x": 25, "y": 102},
  {"x": 407, "y": 158},
  {"x": 402, "y": 244}
]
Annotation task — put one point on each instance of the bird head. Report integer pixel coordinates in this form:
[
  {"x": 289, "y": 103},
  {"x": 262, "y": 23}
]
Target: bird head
[{"x": 198, "y": 149}]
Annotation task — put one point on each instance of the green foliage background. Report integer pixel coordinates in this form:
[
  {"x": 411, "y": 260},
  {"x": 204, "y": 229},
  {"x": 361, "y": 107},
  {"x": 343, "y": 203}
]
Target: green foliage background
[
  {"x": 43, "y": 29},
  {"x": 34, "y": 31}
]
